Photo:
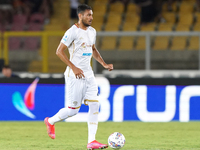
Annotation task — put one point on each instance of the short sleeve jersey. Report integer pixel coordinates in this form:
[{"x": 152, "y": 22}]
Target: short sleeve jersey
[{"x": 79, "y": 43}]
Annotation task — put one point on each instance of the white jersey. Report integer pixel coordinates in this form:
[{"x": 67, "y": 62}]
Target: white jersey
[{"x": 79, "y": 43}]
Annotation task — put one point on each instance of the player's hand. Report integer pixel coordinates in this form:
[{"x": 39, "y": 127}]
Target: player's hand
[
  {"x": 78, "y": 73},
  {"x": 109, "y": 67}
]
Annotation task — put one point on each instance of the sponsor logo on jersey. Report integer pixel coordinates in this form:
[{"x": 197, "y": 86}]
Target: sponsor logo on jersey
[
  {"x": 75, "y": 103},
  {"x": 65, "y": 38},
  {"x": 87, "y": 54},
  {"x": 83, "y": 45}
]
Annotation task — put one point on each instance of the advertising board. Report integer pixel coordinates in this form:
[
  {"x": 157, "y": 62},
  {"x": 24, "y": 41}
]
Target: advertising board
[{"x": 120, "y": 100}]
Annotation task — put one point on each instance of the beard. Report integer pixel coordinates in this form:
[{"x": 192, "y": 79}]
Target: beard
[{"x": 85, "y": 24}]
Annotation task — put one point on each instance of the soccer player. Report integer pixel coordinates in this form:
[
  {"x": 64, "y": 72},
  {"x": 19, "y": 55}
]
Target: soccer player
[{"x": 79, "y": 78}]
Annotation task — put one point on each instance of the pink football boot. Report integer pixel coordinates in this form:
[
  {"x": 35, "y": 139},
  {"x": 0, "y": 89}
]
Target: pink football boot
[
  {"x": 96, "y": 145},
  {"x": 50, "y": 128}
]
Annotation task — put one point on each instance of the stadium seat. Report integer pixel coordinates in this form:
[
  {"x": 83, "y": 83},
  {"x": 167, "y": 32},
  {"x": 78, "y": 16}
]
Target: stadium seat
[
  {"x": 97, "y": 26},
  {"x": 132, "y": 18},
  {"x": 165, "y": 26},
  {"x": 186, "y": 7},
  {"x": 129, "y": 27},
  {"x": 99, "y": 8},
  {"x": 170, "y": 17},
  {"x": 114, "y": 18},
  {"x": 161, "y": 43},
  {"x": 141, "y": 43},
  {"x": 37, "y": 18},
  {"x": 197, "y": 16},
  {"x": 183, "y": 27},
  {"x": 185, "y": 21},
  {"x": 179, "y": 43},
  {"x": 14, "y": 43},
  {"x": 196, "y": 27},
  {"x": 131, "y": 8},
  {"x": 117, "y": 7},
  {"x": 101, "y": 1},
  {"x": 148, "y": 27},
  {"x": 108, "y": 43},
  {"x": 20, "y": 19},
  {"x": 131, "y": 22},
  {"x": 31, "y": 43},
  {"x": 197, "y": 20},
  {"x": 187, "y": 18},
  {"x": 194, "y": 43},
  {"x": 126, "y": 43},
  {"x": 2, "y": 28},
  {"x": 35, "y": 27},
  {"x": 111, "y": 27},
  {"x": 17, "y": 27},
  {"x": 113, "y": 22},
  {"x": 98, "y": 21},
  {"x": 98, "y": 17}
]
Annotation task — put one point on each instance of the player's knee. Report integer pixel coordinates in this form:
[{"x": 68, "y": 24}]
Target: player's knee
[
  {"x": 94, "y": 105},
  {"x": 72, "y": 112}
]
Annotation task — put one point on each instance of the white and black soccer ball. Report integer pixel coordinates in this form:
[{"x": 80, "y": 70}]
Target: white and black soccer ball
[{"x": 116, "y": 140}]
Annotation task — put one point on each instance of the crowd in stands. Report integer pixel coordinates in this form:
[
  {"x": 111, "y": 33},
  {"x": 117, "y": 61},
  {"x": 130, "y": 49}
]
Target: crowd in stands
[{"x": 19, "y": 14}]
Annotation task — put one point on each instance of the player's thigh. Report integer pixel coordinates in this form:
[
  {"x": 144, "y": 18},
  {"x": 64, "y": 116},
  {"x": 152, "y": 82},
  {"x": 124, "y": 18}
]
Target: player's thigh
[
  {"x": 74, "y": 92},
  {"x": 91, "y": 94}
]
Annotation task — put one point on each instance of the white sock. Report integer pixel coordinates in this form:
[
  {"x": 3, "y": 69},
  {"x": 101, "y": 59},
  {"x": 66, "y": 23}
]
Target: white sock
[
  {"x": 91, "y": 137},
  {"x": 62, "y": 114},
  {"x": 92, "y": 120}
]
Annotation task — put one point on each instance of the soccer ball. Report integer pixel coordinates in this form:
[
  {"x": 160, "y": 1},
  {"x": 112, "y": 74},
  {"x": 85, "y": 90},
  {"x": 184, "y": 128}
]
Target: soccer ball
[{"x": 116, "y": 140}]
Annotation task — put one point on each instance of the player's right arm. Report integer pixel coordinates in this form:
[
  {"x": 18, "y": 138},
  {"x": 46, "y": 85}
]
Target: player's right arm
[{"x": 60, "y": 52}]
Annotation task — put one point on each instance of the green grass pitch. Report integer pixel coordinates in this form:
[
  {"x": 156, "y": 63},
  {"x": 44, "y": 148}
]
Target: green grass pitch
[{"x": 73, "y": 136}]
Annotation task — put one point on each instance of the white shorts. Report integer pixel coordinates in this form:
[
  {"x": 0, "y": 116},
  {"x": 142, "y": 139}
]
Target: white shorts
[{"x": 77, "y": 90}]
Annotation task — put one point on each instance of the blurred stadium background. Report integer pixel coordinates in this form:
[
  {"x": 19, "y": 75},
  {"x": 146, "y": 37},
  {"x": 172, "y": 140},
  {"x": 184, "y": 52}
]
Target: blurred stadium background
[
  {"x": 32, "y": 30},
  {"x": 150, "y": 42}
]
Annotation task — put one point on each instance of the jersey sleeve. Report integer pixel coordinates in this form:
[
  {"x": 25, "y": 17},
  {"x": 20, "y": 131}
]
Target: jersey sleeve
[
  {"x": 68, "y": 37},
  {"x": 95, "y": 37}
]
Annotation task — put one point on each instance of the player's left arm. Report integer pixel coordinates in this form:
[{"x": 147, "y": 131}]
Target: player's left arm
[{"x": 98, "y": 57}]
